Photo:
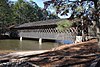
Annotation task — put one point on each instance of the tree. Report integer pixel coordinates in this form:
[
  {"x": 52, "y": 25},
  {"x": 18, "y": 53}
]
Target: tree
[
  {"x": 63, "y": 24},
  {"x": 26, "y": 11},
  {"x": 21, "y": 11},
  {"x": 5, "y": 15},
  {"x": 85, "y": 10}
]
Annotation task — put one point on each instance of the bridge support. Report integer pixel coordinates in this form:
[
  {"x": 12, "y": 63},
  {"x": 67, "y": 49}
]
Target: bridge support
[
  {"x": 40, "y": 41},
  {"x": 78, "y": 39},
  {"x": 20, "y": 38}
]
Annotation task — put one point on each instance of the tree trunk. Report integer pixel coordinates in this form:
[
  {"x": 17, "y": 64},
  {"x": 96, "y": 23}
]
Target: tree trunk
[
  {"x": 99, "y": 39},
  {"x": 98, "y": 36}
]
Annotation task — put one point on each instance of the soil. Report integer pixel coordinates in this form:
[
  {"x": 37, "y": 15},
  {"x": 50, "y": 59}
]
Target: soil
[{"x": 74, "y": 55}]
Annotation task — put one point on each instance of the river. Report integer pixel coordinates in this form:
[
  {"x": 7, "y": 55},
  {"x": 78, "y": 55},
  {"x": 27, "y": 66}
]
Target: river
[{"x": 25, "y": 45}]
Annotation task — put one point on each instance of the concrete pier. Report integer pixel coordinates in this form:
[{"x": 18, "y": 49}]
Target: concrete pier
[
  {"x": 20, "y": 38},
  {"x": 40, "y": 41}
]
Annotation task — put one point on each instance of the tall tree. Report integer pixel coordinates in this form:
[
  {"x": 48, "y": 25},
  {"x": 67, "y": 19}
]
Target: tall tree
[
  {"x": 85, "y": 10},
  {"x": 26, "y": 11},
  {"x": 5, "y": 14}
]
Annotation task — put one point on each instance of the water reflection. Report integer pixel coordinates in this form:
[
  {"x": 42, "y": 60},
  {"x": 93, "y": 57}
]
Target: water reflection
[
  {"x": 20, "y": 45},
  {"x": 25, "y": 45},
  {"x": 40, "y": 46}
]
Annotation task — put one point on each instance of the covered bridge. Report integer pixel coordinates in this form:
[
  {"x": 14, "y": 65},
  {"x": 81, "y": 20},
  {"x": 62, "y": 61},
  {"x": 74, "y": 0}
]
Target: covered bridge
[{"x": 45, "y": 30}]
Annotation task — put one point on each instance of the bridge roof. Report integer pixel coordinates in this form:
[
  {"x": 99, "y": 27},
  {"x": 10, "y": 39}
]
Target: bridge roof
[{"x": 39, "y": 23}]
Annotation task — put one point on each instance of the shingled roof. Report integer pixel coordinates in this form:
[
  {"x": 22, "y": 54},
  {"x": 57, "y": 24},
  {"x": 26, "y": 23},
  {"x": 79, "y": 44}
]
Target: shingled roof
[{"x": 40, "y": 23}]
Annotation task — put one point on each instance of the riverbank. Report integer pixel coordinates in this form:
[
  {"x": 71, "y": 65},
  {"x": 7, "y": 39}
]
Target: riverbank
[
  {"x": 4, "y": 37},
  {"x": 5, "y": 52},
  {"x": 74, "y": 55}
]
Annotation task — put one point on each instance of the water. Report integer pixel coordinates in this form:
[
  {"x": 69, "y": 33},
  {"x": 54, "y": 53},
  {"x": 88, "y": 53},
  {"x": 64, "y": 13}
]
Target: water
[{"x": 17, "y": 45}]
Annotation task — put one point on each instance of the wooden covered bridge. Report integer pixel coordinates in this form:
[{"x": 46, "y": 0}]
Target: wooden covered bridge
[{"x": 45, "y": 30}]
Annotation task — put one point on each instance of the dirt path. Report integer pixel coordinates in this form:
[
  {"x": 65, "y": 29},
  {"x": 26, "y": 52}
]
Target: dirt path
[{"x": 73, "y": 55}]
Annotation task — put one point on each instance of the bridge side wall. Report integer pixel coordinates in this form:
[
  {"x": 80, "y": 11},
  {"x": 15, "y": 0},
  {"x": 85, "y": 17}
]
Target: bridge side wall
[{"x": 52, "y": 34}]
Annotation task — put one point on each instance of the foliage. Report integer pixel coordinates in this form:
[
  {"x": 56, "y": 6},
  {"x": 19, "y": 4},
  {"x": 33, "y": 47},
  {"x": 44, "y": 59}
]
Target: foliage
[
  {"x": 63, "y": 7},
  {"x": 79, "y": 9},
  {"x": 21, "y": 11},
  {"x": 64, "y": 24},
  {"x": 29, "y": 11},
  {"x": 5, "y": 12},
  {"x": 5, "y": 15},
  {"x": 87, "y": 11},
  {"x": 26, "y": 11}
]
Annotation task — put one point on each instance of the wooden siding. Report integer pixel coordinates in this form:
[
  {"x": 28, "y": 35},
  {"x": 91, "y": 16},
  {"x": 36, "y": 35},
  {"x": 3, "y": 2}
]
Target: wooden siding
[{"x": 53, "y": 34}]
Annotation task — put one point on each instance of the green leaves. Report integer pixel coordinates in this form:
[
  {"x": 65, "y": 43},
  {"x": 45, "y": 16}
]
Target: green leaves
[
  {"x": 20, "y": 12},
  {"x": 64, "y": 24},
  {"x": 79, "y": 9},
  {"x": 26, "y": 11},
  {"x": 5, "y": 12}
]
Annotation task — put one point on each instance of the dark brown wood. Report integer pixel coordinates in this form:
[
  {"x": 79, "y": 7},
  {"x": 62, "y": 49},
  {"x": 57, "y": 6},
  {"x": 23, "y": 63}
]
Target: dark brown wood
[{"x": 2, "y": 60}]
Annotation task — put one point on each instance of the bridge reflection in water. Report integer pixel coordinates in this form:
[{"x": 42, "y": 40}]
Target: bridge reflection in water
[{"x": 25, "y": 45}]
